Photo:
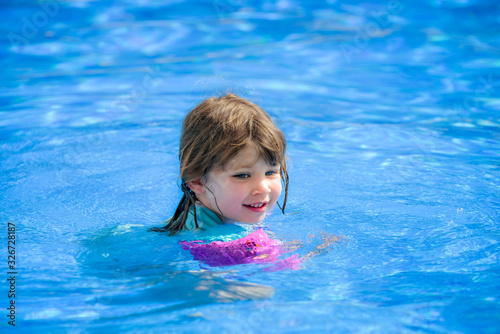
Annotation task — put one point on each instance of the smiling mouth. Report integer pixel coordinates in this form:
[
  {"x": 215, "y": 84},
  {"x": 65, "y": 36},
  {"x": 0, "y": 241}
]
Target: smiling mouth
[{"x": 255, "y": 205}]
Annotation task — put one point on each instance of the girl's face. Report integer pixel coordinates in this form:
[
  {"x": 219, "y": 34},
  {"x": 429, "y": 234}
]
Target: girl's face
[{"x": 245, "y": 191}]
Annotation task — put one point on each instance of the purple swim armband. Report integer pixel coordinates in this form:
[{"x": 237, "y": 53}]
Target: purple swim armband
[{"x": 256, "y": 247}]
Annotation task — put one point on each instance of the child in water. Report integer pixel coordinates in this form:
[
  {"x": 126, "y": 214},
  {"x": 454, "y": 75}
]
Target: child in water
[{"x": 232, "y": 166}]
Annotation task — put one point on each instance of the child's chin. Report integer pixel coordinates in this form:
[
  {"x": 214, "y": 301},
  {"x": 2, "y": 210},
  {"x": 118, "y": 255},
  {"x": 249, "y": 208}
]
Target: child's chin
[{"x": 250, "y": 222}]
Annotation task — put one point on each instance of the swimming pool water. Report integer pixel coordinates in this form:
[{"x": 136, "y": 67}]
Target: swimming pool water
[{"x": 391, "y": 111}]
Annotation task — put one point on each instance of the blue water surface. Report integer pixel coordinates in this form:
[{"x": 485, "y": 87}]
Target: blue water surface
[{"x": 391, "y": 111}]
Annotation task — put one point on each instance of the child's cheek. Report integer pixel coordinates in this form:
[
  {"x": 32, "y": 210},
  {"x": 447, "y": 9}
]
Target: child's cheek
[
  {"x": 278, "y": 187},
  {"x": 224, "y": 183}
]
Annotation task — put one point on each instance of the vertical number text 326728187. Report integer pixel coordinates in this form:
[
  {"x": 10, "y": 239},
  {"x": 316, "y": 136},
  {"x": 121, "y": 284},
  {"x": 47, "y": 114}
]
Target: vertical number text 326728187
[{"x": 11, "y": 273}]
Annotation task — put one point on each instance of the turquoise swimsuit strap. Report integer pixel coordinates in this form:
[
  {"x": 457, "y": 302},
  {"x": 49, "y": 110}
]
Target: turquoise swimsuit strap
[{"x": 206, "y": 218}]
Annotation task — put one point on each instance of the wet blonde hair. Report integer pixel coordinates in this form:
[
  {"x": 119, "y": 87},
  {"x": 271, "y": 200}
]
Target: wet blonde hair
[{"x": 212, "y": 134}]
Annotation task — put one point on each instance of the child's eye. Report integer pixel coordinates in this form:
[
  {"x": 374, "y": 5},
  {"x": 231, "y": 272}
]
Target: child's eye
[
  {"x": 242, "y": 176},
  {"x": 271, "y": 172}
]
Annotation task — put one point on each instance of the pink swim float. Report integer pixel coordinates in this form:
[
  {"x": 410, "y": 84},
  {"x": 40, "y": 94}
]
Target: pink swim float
[{"x": 256, "y": 247}]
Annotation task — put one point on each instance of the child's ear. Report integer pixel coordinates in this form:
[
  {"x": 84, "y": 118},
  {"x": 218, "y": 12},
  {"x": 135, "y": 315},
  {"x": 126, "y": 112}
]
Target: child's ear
[{"x": 196, "y": 186}]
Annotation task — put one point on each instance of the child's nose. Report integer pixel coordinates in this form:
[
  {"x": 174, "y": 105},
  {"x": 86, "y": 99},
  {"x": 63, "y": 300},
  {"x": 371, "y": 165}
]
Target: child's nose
[{"x": 261, "y": 186}]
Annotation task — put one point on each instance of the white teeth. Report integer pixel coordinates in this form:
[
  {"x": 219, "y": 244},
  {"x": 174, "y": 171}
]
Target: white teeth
[{"x": 256, "y": 206}]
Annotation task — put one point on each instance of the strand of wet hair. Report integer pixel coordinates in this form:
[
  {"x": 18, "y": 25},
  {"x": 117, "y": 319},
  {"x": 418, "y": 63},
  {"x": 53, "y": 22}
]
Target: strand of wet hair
[
  {"x": 284, "y": 178},
  {"x": 178, "y": 220},
  {"x": 215, "y": 198}
]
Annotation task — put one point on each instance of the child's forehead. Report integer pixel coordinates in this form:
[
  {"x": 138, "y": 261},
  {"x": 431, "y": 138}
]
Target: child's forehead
[{"x": 246, "y": 158}]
